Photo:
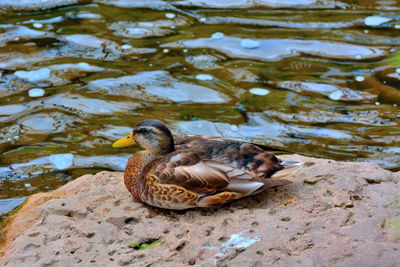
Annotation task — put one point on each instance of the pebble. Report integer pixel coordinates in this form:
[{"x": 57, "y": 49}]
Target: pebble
[
  {"x": 37, "y": 25},
  {"x": 259, "y": 91},
  {"x": 217, "y": 35},
  {"x": 126, "y": 46},
  {"x": 36, "y": 92},
  {"x": 166, "y": 50},
  {"x": 204, "y": 77},
  {"x": 376, "y": 20},
  {"x": 170, "y": 15},
  {"x": 360, "y": 78},
  {"x": 336, "y": 95},
  {"x": 249, "y": 44}
]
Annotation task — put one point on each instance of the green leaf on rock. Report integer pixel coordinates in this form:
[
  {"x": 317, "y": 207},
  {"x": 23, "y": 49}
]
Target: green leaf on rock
[{"x": 141, "y": 247}]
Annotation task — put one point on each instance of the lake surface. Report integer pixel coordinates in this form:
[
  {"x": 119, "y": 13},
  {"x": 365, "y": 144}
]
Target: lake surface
[{"x": 315, "y": 78}]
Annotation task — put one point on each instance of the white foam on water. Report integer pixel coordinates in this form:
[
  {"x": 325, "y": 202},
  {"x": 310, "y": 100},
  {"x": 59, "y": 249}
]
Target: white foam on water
[
  {"x": 170, "y": 15},
  {"x": 217, "y": 35},
  {"x": 204, "y": 77},
  {"x": 36, "y": 92},
  {"x": 126, "y": 46},
  {"x": 249, "y": 44},
  {"x": 259, "y": 91},
  {"x": 37, "y": 25},
  {"x": 61, "y": 161},
  {"x": 336, "y": 95},
  {"x": 34, "y": 75},
  {"x": 376, "y": 20},
  {"x": 360, "y": 78}
]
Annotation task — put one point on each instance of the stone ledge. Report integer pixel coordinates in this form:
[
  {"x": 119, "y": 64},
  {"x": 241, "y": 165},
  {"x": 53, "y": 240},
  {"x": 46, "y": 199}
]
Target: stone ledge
[{"x": 345, "y": 214}]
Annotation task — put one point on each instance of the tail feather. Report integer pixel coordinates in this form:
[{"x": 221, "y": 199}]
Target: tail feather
[{"x": 289, "y": 166}]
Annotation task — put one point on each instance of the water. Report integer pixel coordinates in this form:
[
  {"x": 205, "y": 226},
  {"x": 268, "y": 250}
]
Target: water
[{"x": 314, "y": 77}]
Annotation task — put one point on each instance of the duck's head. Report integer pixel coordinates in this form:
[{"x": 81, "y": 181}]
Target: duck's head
[{"x": 153, "y": 135}]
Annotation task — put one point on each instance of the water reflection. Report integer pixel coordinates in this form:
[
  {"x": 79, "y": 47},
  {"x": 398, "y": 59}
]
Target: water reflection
[{"x": 312, "y": 77}]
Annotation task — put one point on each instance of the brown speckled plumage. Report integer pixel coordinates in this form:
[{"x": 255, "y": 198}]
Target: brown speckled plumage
[{"x": 197, "y": 171}]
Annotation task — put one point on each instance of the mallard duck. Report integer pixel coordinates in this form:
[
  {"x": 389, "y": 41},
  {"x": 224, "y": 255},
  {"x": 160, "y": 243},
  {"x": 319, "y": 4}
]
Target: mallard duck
[{"x": 197, "y": 171}]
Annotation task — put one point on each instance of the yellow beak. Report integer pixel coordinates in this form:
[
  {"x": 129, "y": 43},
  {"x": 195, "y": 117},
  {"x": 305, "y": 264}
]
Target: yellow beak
[{"x": 126, "y": 141}]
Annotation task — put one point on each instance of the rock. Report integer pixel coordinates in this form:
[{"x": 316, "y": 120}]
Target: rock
[{"x": 344, "y": 214}]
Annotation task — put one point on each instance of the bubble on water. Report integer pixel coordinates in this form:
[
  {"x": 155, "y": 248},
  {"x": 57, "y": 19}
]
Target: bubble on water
[
  {"x": 126, "y": 46},
  {"x": 376, "y": 20},
  {"x": 360, "y": 78},
  {"x": 217, "y": 35},
  {"x": 234, "y": 128},
  {"x": 166, "y": 50},
  {"x": 249, "y": 44},
  {"x": 37, "y": 25},
  {"x": 204, "y": 77},
  {"x": 336, "y": 95},
  {"x": 61, "y": 161},
  {"x": 259, "y": 91},
  {"x": 84, "y": 65},
  {"x": 170, "y": 15},
  {"x": 36, "y": 92}
]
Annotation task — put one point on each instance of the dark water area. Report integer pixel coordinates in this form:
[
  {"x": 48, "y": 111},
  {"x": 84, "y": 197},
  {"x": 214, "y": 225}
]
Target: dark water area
[{"x": 315, "y": 78}]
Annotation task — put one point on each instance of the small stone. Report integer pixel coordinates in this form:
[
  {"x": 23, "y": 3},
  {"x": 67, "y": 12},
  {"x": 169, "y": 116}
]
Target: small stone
[
  {"x": 166, "y": 50},
  {"x": 37, "y": 25},
  {"x": 170, "y": 15},
  {"x": 259, "y": 91},
  {"x": 336, "y": 95},
  {"x": 249, "y": 44},
  {"x": 360, "y": 78},
  {"x": 217, "y": 35},
  {"x": 126, "y": 46},
  {"x": 36, "y": 92},
  {"x": 204, "y": 77}
]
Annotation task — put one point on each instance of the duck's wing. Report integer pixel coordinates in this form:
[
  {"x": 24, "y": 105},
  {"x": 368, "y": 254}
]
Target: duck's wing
[{"x": 213, "y": 182}]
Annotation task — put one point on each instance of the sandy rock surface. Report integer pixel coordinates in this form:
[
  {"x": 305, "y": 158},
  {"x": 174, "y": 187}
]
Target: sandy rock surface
[{"x": 345, "y": 214}]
